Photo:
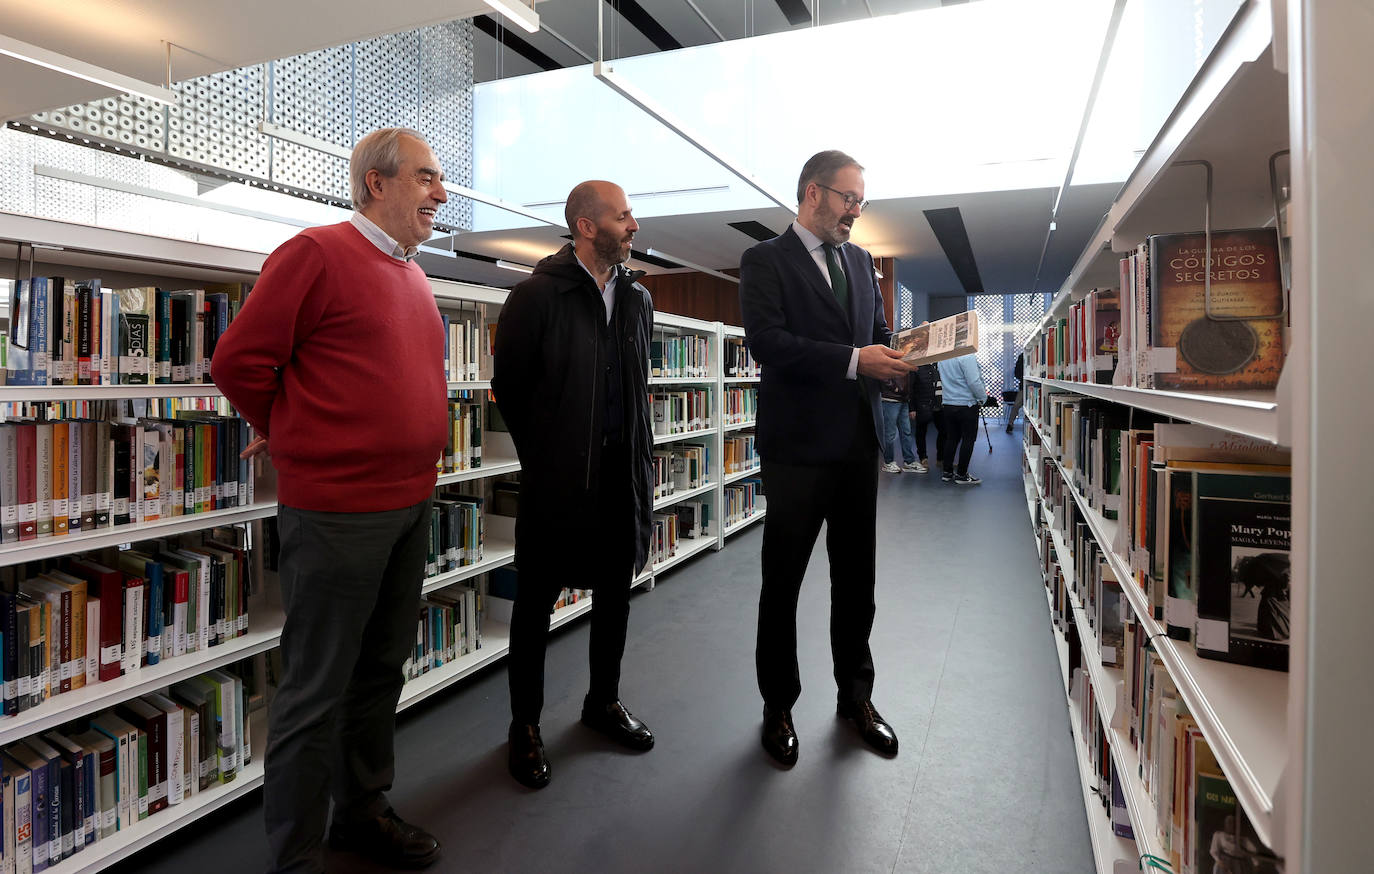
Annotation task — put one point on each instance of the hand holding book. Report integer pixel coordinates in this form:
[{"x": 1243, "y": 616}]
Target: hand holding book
[{"x": 879, "y": 362}]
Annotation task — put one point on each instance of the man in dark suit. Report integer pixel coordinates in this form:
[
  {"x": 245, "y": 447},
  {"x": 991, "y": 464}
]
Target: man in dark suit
[{"x": 813, "y": 317}]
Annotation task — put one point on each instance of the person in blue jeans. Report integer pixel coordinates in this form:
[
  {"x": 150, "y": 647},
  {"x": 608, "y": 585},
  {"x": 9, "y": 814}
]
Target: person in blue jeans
[
  {"x": 963, "y": 395},
  {"x": 897, "y": 421}
]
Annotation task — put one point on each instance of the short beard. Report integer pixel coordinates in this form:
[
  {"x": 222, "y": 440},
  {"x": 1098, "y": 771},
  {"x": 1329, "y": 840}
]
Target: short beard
[
  {"x": 607, "y": 248},
  {"x": 829, "y": 224}
]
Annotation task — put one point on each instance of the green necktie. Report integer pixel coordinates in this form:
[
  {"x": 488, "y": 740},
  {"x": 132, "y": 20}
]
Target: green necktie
[{"x": 838, "y": 283}]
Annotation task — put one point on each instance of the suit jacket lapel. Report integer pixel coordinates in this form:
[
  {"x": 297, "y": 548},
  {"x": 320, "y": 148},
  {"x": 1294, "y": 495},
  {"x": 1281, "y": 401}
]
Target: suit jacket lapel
[{"x": 809, "y": 270}]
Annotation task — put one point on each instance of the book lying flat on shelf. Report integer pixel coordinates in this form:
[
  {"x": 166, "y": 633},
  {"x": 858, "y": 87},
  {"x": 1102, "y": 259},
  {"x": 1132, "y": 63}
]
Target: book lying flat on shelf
[{"x": 938, "y": 340}]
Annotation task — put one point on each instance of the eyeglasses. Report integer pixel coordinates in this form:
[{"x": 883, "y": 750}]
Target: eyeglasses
[{"x": 850, "y": 201}]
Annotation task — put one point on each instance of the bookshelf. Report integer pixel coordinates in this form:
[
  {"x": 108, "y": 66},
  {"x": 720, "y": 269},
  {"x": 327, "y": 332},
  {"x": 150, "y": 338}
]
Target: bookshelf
[
  {"x": 124, "y": 259},
  {"x": 1283, "y": 75}
]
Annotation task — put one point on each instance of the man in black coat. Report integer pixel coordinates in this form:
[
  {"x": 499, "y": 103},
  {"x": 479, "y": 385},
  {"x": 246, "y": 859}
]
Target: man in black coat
[
  {"x": 571, "y": 373},
  {"x": 813, "y": 318}
]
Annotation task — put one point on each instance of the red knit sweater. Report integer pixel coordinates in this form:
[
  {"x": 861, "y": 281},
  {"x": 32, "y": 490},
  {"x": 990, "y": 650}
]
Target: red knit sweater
[{"x": 338, "y": 357}]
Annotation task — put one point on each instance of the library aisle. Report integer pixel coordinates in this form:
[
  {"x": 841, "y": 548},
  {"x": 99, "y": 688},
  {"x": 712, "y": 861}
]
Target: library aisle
[{"x": 986, "y": 781}]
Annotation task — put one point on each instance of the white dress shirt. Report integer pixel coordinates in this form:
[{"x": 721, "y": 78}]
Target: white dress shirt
[
  {"x": 607, "y": 293},
  {"x": 381, "y": 239},
  {"x": 814, "y": 248}
]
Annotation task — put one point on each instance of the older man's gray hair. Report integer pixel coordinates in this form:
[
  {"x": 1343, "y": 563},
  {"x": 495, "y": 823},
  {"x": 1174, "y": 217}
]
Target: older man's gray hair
[{"x": 380, "y": 151}]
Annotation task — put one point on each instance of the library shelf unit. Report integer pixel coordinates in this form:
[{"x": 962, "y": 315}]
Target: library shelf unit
[
  {"x": 1241, "y": 710},
  {"x": 1294, "y": 746},
  {"x": 123, "y": 259}
]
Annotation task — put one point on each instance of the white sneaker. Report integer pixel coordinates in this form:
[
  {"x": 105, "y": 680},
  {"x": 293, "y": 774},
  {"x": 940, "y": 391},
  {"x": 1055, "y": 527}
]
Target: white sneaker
[
  {"x": 914, "y": 467},
  {"x": 891, "y": 467}
]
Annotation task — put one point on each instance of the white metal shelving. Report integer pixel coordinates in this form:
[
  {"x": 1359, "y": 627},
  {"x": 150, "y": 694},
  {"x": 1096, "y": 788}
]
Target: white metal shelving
[
  {"x": 686, "y": 495},
  {"x": 1254, "y": 414},
  {"x": 1242, "y": 711},
  {"x": 264, "y": 632},
  {"x": 660, "y": 439},
  {"x": 52, "y": 547}
]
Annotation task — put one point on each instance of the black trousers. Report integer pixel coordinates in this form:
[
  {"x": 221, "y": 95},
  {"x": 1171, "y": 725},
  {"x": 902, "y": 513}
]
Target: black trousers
[
  {"x": 607, "y": 569},
  {"x": 923, "y": 423},
  {"x": 351, "y": 588},
  {"x": 844, "y": 495},
  {"x": 963, "y": 434}
]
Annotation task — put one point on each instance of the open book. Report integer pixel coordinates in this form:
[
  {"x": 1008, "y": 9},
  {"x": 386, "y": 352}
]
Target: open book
[{"x": 936, "y": 341}]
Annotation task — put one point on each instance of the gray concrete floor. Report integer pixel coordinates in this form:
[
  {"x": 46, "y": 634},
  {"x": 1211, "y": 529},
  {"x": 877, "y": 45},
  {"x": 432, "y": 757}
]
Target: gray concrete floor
[{"x": 986, "y": 781}]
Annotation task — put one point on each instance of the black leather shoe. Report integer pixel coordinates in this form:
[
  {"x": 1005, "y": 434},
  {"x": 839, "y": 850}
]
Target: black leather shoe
[
  {"x": 387, "y": 840},
  {"x": 872, "y": 727},
  {"x": 525, "y": 758},
  {"x": 779, "y": 737},
  {"x": 619, "y": 724}
]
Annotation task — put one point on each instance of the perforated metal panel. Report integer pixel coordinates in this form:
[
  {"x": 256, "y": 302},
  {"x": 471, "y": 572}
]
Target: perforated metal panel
[
  {"x": 16, "y": 171},
  {"x": 1005, "y": 322},
  {"x": 421, "y": 79},
  {"x": 445, "y": 65},
  {"x": 215, "y": 124},
  {"x": 906, "y": 316}
]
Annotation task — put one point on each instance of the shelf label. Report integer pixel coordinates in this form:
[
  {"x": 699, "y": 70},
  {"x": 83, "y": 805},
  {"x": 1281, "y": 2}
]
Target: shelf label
[
  {"x": 1164, "y": 359},
  {"x": 1214, "y": 635}
]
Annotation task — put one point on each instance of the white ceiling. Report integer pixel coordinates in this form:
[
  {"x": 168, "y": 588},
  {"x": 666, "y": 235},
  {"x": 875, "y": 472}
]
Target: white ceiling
[
  {"x": 127, "y": 36},
  {"x": 1006, "y": 231},
  {"x": 575, "y": 21}
]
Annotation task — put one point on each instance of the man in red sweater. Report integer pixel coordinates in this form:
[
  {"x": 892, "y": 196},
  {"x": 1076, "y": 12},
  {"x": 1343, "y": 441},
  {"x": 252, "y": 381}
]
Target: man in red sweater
[{"x": 337, "y": 361}]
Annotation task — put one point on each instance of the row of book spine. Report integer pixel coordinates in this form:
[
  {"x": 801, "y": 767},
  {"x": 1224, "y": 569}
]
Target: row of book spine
[
  {"x": 467, "y": 353},
  {"x": 681, "y": 468},
  {"x": 739, "y": 361},
  {"x": 448, "y": 627},
  {"x": 456, "y": 532},
  {"x": 1199, "y": 824},
  {"x": 683, "y": 357},
  {"x": 682, "y": 412},
  {"x": 740, "y": 405},
  {"x": 740, "y": 453},
  {"x": 463, "y": 450},
  {"x": 687, "y": 520},
  {"x": 93, "y": 618},
  {"x": 65, "y": 791},
  {"x": 742, "y": 500},
  {"x": 1204, "y": 522},
  {"x": 77, "y": 333},
  {"x": 1178, "y": 319},
  {"x": 62, "y": 477}
]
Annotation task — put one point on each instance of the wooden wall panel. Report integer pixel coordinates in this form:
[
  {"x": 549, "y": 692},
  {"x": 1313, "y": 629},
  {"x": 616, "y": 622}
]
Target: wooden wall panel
[
  {"x": 695, "y": 295},
  {"x": 699, "y": 296}
]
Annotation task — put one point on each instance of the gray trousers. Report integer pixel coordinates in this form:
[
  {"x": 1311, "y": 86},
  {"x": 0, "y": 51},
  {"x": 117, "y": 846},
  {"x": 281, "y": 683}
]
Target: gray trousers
[{"x": 351, "y": 588}]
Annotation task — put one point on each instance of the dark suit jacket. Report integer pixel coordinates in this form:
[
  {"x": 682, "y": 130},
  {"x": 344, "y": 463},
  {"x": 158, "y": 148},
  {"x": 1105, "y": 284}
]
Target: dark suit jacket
[{"x": 797, "y": 331}]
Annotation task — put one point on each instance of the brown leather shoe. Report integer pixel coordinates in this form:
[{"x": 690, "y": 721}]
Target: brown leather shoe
[
  {"x": 525, "y": 757},
  {"x": 387, "y": 840},
  {"x": 619, "y": 724},
  {"x": 779, "y": 737},
  {"x": 872, "y": 727}
]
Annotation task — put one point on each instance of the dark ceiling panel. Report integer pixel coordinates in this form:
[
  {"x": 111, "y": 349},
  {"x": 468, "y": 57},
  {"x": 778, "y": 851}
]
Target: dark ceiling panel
[
  {"x": 757, "y": 230},
  {"x": 645, "y": 23},
  {"x": 653, "y": 259},
  {"x": 796, "y": 11},
  {"x": 510, "y": 40},
  {"x": 948, "y": 225}
]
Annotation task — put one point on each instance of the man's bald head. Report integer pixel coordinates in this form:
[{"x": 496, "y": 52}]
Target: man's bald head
[
  {"x": 589, "y": 200},
  {"x": 600, "y": 221}
]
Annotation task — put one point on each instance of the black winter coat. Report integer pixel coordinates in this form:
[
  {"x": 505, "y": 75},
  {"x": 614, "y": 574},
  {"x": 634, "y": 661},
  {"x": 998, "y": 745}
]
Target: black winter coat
[
  {"x": 547, "y": 378},
  {"x": 922, "y": 398}
]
